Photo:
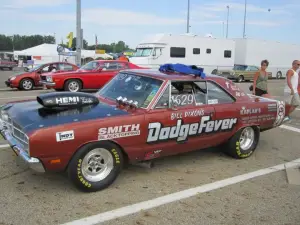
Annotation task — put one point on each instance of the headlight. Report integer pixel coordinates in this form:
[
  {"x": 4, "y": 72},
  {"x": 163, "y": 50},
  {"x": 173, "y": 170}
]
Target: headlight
[
  {"x": 12, "y": 78},
  {"x": 4, "y": 115},
  {"x": 49, "y": 78}
]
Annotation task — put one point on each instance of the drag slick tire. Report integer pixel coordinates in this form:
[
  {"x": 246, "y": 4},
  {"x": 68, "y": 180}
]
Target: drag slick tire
[
  {"x": 95, "y": 166},
  {"x": 243, "y": 143}
]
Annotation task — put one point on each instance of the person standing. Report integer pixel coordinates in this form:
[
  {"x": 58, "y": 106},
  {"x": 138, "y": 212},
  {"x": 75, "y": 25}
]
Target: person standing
[
  {"x": 260, "y": 81},
  {"x": 291, "y": 87}
]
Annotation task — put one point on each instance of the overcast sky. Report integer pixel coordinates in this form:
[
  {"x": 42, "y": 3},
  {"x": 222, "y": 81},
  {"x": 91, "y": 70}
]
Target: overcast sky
[{"x": 133, "y": 20}]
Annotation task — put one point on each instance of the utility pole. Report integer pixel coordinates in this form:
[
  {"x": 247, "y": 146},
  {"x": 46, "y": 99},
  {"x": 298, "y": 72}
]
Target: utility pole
[
  {"x": 78, "y": 33},
  {"x": 244, "y": 33},
  {"x": 227, "y": 21},
  {"x": 188, "y": 18}
]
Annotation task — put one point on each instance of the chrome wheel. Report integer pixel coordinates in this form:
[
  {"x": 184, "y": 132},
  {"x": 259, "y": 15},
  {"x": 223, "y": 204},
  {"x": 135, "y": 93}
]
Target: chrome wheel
[
  {"x": 247, "y": 138},
  {"x": 73, "y": 86},
  {"x": 97, "y": 165},
  {"x": 27, "y": 84}
]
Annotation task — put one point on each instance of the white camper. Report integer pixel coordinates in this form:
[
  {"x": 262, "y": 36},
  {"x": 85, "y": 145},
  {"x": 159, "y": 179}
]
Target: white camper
[
  {"x": 206, "y": 52},
  {"x": 253, "y": 51}
]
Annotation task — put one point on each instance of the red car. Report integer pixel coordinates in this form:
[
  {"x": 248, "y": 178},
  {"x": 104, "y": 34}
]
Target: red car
[
  {"x": 138, "y": 116},
  {"x": 92, "y": 75},
  {"x": 29, "y": 79}
]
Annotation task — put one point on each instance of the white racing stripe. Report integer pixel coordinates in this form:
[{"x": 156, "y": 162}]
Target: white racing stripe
[
  {"x": 4, "y": 146},
  {"x": 290, "y": 128},
  {"x": 135, "y": 208}
]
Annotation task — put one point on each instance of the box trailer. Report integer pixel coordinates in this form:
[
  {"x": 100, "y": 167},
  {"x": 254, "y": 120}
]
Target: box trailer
[
  {"x": 207, "y": 52},
  {"x": 253, "y": 51}
]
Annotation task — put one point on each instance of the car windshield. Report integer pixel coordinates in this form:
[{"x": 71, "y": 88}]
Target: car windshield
[
  {"x": 142, "y": 52},
  {"x": 239, "y": 67},
  {"x": 35, "y": 68},
  {"x": 90, "y": 65},
  {"x": 133, "y": 87}
]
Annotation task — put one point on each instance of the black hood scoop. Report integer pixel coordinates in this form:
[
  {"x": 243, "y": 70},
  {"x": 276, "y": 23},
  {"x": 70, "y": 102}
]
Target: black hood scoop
[{"x": 67, "y": 100}]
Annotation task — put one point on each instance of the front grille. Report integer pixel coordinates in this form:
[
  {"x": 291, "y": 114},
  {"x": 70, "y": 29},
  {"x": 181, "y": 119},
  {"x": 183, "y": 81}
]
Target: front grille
[{"x": 17, "y": 132}]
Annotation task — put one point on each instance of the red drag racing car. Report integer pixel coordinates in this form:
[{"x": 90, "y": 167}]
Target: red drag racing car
[
  {"x": 138, "y": 116},
  {"x": 92, "y": 75},
  {"x": 29, "y": 79}
]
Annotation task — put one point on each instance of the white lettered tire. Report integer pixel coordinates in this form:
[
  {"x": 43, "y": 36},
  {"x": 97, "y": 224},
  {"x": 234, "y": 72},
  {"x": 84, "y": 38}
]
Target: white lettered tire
[
  {"x": 95, "y": 166},
  {"x": 243, "y": 143}
]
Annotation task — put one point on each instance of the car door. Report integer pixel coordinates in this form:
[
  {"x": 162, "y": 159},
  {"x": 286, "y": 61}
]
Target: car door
[
  {"x": 226, "y": 110},
  {"x": 174, "y": 123}
]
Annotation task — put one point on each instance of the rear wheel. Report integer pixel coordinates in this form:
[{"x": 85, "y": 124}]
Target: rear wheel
[
  {"x": 73, "y": 85},
  {"x": 243, "y": 143},
  {"x": 26, "y": 84},
  {"x": 240, "y": 78},
  {"x": 95, "y": 166}
]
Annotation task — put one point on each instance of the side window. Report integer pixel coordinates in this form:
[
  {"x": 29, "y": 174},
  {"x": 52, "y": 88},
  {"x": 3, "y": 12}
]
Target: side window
[
  {"x": 110, "y": 66},
  {"x": 163, "y": 102},
  {"x": 65, "y": 67},
  {"x": 196, "y": 51},
  {"x": 122, "y": 66},
  {"x": 182, "y": 93},
  {"x": 216, "y": 95},
  {"x": 177, "y": 52},
  {"x": 200, "y": 92},
  {"x": 227, "y": 54},
  {"x": 208, "y": 51}
]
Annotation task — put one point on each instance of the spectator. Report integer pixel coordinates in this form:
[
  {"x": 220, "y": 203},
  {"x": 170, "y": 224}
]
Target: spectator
[
  {"x": 291, "y": 87},
  {"x": 260, "y": 81},
  {"x": 123, "y": 57}
]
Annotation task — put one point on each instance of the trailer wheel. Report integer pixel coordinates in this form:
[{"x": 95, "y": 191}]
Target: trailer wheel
[
  {"x": 240, "y": 79},
  {"x": 279, "y": 75}
]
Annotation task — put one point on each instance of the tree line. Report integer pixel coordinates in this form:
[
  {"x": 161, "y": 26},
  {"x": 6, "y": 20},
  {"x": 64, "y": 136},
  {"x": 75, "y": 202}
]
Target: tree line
[{"x": 21, "y": 42}]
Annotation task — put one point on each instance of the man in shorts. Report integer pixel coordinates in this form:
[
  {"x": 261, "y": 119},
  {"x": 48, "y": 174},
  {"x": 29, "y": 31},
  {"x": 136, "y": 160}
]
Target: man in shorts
[{"x": 291, "y": 87}]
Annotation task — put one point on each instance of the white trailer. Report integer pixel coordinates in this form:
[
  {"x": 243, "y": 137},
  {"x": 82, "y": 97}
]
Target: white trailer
[
  {"x": 253, "y": 51},
  {"x": 207, "y": 52}
]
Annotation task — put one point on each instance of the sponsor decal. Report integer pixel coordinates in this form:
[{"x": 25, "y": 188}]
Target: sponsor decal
[
  {"x": 152, "y": 154},
  {"x": 182, "y": 100},
  {"x": 245, "y": 111},
  {"x": 181, "y": 131},
  {"x": 115, "y": 132},
  {"x": 272, "y": 107},
  {"x": 212, "y": 101},
  {"x": 258, "y": 118},
  {"x": 192, "y": 113},
  {"x": 280, "y": 113},
  {"x": 73, "y": 100},
  {"x": 65, "y": 136},
  {"x": 67, "y": 100}
]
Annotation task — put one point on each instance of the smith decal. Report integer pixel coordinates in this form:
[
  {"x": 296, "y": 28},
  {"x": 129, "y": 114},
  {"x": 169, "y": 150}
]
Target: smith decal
[
  {"x": 181, "y": 131},
  {"x": 119, "y": 132}
]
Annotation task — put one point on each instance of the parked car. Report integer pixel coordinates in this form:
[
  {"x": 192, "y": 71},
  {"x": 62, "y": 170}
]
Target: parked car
[
  {"x": 30, "y": 78},
  {"x": 7, "y": 64},
  {"x": 92, "y": 75},
  {"x": 138, "y": 116},
  {"x": 239, "y": 73}
]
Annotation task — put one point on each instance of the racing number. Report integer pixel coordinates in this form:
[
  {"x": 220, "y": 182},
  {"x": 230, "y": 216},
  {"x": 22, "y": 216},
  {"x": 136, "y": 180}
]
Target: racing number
[{"x": 182, "y": 100}]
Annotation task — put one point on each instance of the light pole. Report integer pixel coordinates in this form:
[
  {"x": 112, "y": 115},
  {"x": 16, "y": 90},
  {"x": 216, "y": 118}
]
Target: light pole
[
  {"x": 188, "y": 18},
  {"x": 227, "y": 21},
  {"x": 78, "y": 32},
  {"x": 244, "y": 33}
]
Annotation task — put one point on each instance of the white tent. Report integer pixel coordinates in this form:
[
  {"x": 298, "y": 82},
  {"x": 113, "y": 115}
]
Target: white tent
[{"x": 45, "y": 53}]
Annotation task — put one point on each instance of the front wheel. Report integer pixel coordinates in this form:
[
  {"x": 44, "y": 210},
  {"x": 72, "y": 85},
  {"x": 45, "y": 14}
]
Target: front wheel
[
  {"x": 73, "y": 85},
  {"x": 26, "y": 84},
  {"x": 243, "y": 143},
  {"x": 95, "y": 166},
  {"x": 240, "y": 79}
]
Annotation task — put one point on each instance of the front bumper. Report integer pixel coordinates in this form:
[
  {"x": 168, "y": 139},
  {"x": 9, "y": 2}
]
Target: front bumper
[
  {"x": 51, "y": 84},
  {"x": 33, "y": 163},
  {"x": 8, "y": 83}
]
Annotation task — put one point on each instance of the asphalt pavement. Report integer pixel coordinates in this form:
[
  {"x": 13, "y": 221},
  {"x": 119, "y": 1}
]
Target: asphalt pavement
[{"x": 27, "y": 197}]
